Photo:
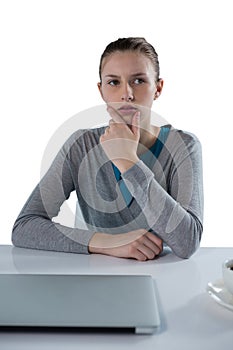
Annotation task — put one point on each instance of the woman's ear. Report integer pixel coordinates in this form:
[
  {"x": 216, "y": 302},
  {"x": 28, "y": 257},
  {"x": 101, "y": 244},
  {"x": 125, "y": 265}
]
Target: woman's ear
[
  {"x": 159, "y": 89},
  {"x": 100, "y": 89}
]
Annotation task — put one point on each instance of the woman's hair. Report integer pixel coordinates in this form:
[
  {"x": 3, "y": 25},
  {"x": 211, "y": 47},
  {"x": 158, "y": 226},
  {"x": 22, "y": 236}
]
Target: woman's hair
[{"x": 132, "y": 44}]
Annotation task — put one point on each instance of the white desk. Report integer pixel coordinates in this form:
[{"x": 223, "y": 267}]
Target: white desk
[{"x": 190, "y": 318}]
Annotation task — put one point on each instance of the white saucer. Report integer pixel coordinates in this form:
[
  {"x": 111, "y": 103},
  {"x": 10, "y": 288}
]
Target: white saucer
[{"x": 220, "y": 294}]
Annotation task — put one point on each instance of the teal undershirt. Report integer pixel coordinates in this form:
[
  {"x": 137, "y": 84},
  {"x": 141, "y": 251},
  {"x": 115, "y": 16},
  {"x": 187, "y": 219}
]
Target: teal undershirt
[{"x": 149, "y": 158}]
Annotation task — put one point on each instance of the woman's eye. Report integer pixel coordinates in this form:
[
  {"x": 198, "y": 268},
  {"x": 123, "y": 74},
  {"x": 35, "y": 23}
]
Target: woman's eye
[
  {"x": 138, "y": 81},
  {"x": 113, "y": 82}
]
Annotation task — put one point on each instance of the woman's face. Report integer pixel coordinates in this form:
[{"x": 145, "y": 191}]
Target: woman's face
[{"x": 129, "y": 82}]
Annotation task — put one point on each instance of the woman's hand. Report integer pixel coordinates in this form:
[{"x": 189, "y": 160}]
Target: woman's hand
[
  {"x": 139, "y": 244},
  {"x": 120, "y": 141}
]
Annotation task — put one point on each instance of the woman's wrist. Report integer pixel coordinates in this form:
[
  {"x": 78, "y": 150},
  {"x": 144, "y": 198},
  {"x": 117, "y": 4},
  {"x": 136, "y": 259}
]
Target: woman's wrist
[
  {"x": 99, "y": 243},
  {"x": 123, "y": 165}
]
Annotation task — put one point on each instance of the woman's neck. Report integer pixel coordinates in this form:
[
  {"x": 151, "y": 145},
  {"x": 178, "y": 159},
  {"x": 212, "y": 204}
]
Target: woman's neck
[{"x": 148, "y": 137}]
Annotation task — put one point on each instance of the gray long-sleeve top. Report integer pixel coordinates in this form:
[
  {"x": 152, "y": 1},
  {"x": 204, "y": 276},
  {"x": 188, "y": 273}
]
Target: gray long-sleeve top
[{"x": 167, "y": 199}]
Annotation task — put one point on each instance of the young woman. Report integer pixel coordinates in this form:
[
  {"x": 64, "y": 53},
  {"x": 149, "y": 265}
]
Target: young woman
[{"x": 138, "y": 185}]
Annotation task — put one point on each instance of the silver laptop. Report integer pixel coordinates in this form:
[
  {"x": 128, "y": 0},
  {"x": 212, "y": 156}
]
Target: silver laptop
[{"x": 84, "y": 301}]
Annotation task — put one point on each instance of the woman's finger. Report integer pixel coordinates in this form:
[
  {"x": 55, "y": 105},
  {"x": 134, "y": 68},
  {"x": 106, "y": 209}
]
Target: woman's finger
[
  {"x": 147, "y": 252},
  {"x": 136, "y": 124},
  {"x": 111, "y": 121},
  {"x": 151, "y": 245},
  {"x": 155, "y": 239}
]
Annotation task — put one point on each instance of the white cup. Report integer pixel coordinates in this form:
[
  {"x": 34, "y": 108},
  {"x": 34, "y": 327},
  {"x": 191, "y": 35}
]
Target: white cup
[{"x": 227, "y": 271}]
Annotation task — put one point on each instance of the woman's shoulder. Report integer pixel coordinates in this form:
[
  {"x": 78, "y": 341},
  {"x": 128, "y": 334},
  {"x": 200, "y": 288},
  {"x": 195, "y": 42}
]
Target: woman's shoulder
[
  {"x": 181, "y": 144},
  {"x": 179, "y": 136},
  {"x": 84, "y": 138}
]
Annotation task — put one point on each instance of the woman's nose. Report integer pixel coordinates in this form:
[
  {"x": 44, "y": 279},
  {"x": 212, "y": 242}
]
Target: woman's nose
[{"x": 127, "y": 93}]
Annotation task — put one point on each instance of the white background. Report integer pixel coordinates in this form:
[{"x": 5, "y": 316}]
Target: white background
[{"x": 49, "y": 57}]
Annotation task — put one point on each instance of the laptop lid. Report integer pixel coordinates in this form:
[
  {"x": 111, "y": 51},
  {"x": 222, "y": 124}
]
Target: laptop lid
[{"x": 90, "y": 301}]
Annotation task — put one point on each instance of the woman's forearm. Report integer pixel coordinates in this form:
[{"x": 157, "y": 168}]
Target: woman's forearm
[{"x": 138, "y": 244}]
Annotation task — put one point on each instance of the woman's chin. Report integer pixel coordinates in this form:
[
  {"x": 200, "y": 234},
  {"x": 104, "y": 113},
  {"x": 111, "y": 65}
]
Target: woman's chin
[{"x": 127, "y": 119}]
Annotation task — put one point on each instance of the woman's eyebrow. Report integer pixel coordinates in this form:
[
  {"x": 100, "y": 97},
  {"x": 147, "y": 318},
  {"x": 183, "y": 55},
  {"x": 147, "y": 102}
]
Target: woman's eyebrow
[
  {"x": 117, "y": 76},
  {"x": 111, "y": 76},
  {"x": 138, "y": 74}
]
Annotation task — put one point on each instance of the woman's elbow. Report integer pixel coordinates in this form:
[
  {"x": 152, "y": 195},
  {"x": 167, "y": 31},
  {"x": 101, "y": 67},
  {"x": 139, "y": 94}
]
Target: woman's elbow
[
  {"x": 190, "y": 243},
  {"x": 186, "y": 253},
  {"x": 17, "y": 236}
]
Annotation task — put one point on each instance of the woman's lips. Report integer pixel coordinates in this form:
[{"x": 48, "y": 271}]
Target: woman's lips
[{"x": 127, "y": 110}]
